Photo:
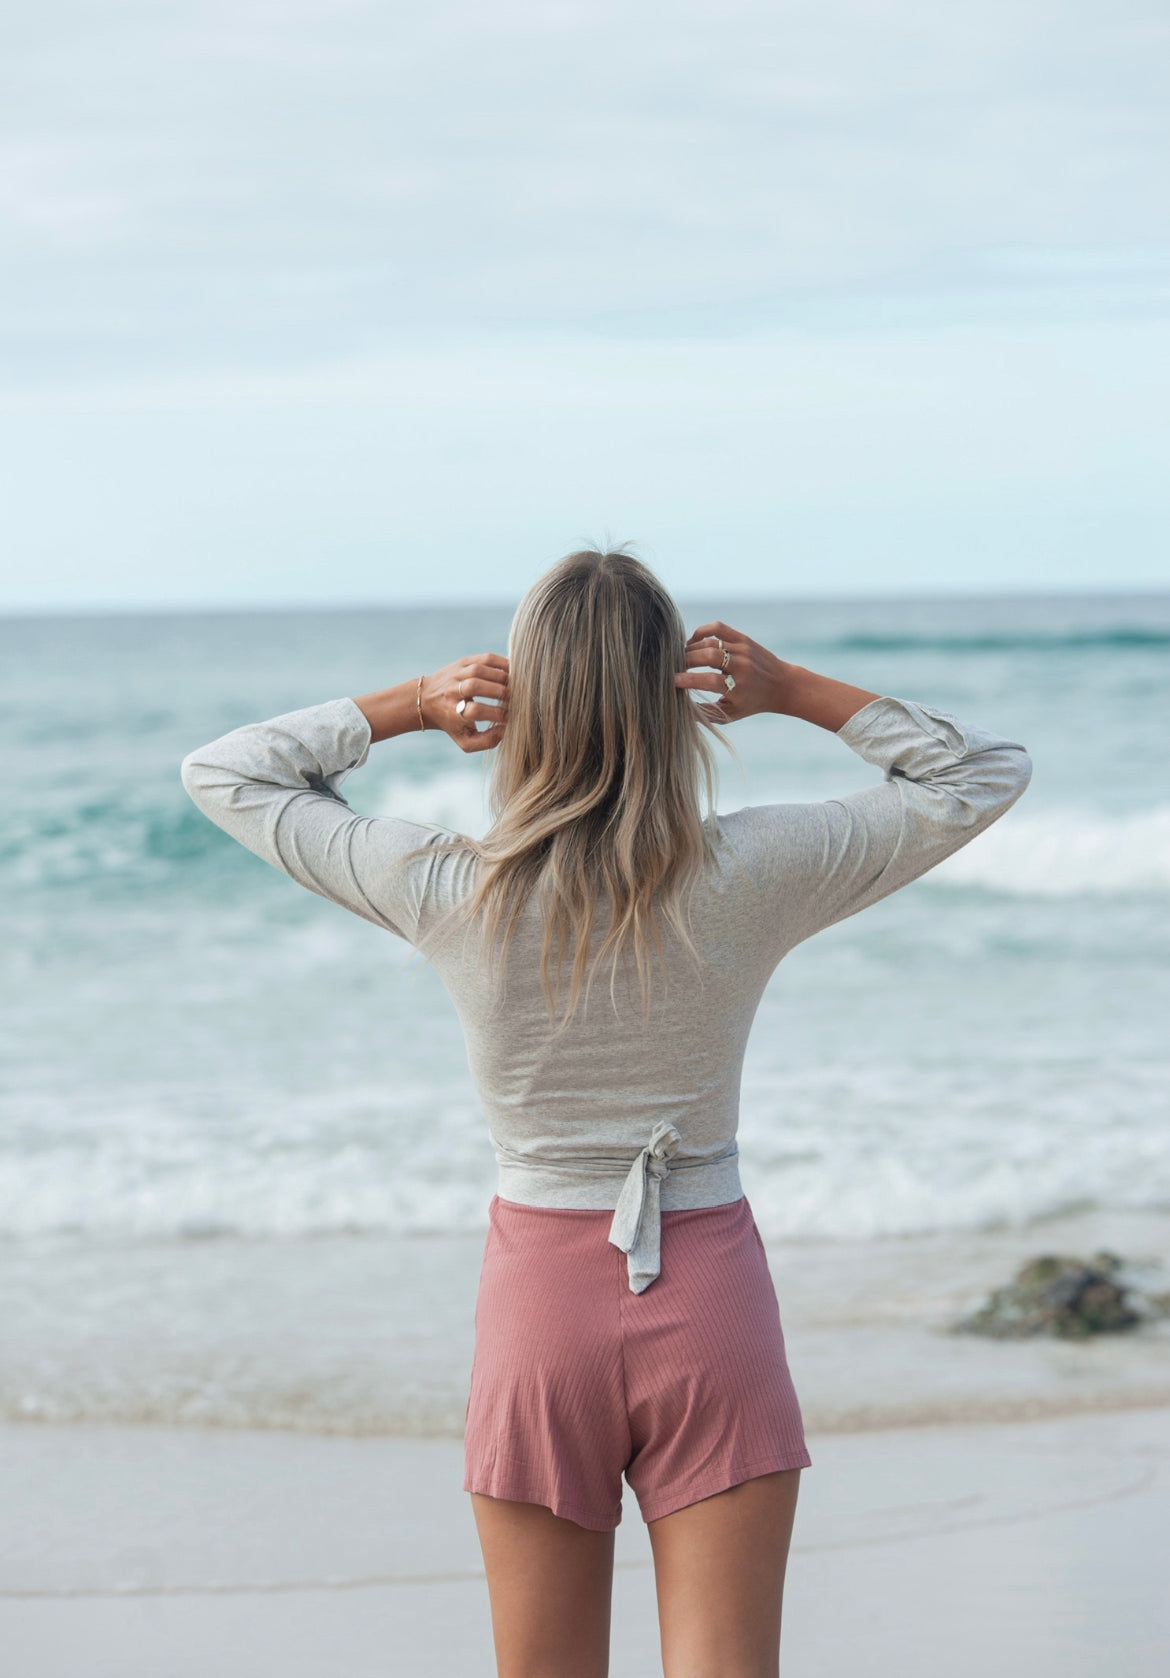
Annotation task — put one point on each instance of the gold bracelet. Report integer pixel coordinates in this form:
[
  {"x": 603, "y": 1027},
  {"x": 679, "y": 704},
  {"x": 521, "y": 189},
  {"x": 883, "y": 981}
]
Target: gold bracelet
[{"x": 418, "y": 702}]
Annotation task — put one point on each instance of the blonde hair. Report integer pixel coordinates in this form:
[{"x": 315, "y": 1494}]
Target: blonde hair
[{"x": 596, "y": 783}]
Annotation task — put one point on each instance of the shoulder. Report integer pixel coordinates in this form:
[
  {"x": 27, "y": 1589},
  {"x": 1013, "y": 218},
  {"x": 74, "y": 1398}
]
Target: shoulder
[
  {"x": 764, "y": 843},
  {"x": 411, "y": 873},
  {"x": 439, "y": 863},
  {"x": 410, "y": 842},
  {"x": 768, "y": 826}
]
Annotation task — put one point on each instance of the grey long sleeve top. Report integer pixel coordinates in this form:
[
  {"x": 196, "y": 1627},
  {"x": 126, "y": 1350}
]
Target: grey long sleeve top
[{"x": 622, "y": 1110}]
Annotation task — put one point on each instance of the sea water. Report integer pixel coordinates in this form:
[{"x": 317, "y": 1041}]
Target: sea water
[{"x": 241, "y": 1159}]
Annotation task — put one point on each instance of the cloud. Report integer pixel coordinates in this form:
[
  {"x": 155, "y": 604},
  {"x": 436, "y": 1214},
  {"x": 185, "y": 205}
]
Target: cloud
[
  {"x": 277, "y": 182},
  {"x": 784, "y": 462},
  {"x": 313, "y": 299}
]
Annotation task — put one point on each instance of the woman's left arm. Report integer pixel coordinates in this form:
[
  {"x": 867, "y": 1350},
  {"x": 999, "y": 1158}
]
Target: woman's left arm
[
  {"x": 275, "y": 788},
  {"x": 450, "y": 699}
]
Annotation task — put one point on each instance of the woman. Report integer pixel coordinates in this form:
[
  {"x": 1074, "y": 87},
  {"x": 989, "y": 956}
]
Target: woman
[{"x": 606, "y": 947}]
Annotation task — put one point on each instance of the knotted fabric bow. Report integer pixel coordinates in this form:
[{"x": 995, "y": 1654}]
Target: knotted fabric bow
[{"x": 637, "y": 1220}]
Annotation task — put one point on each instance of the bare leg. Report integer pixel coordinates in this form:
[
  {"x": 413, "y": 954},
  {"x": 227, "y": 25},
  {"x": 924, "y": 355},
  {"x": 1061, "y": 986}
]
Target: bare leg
[
  {"x": 719, "y": 1568},
  {"x": 550, "y": 1583}
]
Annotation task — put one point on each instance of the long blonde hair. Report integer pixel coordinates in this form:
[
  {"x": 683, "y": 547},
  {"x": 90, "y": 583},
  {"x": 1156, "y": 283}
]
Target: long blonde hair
[{"x": 597, "y": 781}]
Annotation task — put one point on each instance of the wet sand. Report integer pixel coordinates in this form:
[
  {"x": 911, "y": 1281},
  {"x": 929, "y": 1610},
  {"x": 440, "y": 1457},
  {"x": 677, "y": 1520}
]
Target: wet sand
[
  {"x": 370, "y": 1336},
  {"x": 1035, "y": 1550},
  {"x": 973, "y": 1506}
]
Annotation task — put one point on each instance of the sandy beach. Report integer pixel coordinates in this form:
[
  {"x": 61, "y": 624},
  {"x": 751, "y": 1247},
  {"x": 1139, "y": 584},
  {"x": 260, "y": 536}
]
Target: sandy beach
[
  {"x": 972, "y": 1503},
  {"x": 1035, "y": 1550}
]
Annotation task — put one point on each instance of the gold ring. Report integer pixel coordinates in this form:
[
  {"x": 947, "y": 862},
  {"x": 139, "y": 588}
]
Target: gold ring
[
  {"x": 459, "y": 690},
  {"x": 726, "y": 659}
]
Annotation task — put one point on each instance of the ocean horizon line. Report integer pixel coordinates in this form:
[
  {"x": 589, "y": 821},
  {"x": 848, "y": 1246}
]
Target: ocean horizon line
[{"x": 1119, "y": 595}]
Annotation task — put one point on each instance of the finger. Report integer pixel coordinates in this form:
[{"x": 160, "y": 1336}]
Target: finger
[
  {"x": 715, "y": 632},
  {"x": 471, "y": 687},
  {"x": 473, "y": 712},
  {"x": 708, "y": 653},
  {"x": 478, "y": 669},
  {"x": 486, "y": 661},
  {"x": 483, "y": 739},
  {"x": 711, "y": 680},
  {"x": 717, "y": 655}
]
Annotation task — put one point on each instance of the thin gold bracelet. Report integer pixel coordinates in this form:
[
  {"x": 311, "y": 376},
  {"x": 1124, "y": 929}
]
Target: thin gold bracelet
[{"x": 418, "y": 702}]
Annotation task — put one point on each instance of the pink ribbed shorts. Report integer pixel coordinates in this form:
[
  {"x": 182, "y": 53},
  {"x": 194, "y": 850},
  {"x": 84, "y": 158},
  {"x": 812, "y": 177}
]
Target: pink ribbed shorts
[{"x": 576, "y": 1381}]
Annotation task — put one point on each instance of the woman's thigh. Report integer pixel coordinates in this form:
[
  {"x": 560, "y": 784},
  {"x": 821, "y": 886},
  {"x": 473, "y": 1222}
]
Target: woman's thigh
[
  {"x": 719, "y": 1569},
  {"x": 551, "y": 1584}
]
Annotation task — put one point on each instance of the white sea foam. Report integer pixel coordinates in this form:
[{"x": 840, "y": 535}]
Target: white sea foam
[
  {"x": 1054, "y": 852},
  {"x": 1068, "y": 853},
  {"x": 454, "y": 799},
  {"x": 1046, "y": 853},
  {"x": 829, "y": 1151},
  {"x": 359, "y": 1192}
]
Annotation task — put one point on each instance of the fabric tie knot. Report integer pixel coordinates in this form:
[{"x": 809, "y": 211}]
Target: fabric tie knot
[{"x": 637, "y": 1220}]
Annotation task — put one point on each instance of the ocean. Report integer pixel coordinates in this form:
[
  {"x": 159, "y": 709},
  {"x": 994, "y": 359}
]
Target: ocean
[{"x": 243, "y": 1172}]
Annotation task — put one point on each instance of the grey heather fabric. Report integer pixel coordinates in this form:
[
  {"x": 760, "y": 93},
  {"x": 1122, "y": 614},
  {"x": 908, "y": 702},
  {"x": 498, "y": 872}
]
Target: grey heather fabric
[{"x": 571, "y": 1115}]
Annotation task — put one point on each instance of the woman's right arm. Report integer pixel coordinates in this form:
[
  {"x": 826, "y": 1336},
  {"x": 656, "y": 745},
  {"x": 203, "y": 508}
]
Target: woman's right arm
[{"x": 944, "y": 783}]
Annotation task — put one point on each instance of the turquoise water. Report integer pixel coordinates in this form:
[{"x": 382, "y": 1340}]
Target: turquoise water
[
  {"x": 243, "y": 1174},
  {"x": 193, "y": 1046}
]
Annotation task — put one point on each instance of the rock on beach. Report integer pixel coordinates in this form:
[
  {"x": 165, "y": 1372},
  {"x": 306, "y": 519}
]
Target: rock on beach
[{"x": 1069, "y": 1298}]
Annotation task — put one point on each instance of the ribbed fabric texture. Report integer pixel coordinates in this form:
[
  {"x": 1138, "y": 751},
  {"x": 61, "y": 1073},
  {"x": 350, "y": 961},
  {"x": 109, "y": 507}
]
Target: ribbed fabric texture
[{"x": 683, "y": 1388}]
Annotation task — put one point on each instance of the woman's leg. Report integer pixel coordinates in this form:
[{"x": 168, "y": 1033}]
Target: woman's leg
[
  {"x": 719, "y": 1568},
  {"x": 550, "y": 1583}
]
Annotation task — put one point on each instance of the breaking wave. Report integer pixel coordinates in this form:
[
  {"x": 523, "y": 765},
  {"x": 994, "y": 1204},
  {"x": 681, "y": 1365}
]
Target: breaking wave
[
  {"x": 1066, "y": 853},
  {"x": 1028, "y": 641}
]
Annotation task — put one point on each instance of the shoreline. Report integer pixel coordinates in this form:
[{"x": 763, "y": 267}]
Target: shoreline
[
  {"x": 986, "y": 1413},
  {"x": 366, "y": 1337}
]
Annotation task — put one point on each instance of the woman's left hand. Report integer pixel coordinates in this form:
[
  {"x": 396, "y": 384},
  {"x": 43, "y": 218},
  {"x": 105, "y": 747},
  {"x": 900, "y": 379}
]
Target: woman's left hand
[
  {"x": 452, "y": 699},
  {"x": 449, "y": 700}
]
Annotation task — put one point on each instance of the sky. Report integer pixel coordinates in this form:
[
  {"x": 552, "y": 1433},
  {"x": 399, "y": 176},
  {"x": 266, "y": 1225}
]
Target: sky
[{"x": 312, "y": 301}]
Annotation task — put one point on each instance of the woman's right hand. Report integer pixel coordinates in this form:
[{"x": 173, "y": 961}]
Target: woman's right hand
[
  {"x": 716, "y": 652},
  {"x": 763, "y": 682}
]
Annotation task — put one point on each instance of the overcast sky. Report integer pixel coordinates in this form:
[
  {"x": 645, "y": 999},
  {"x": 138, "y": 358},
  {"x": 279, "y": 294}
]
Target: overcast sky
[{"x": 333, "y": 300}]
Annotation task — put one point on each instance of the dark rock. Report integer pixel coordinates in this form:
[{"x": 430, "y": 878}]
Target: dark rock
[{"x": 1070, "y": 1298}]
